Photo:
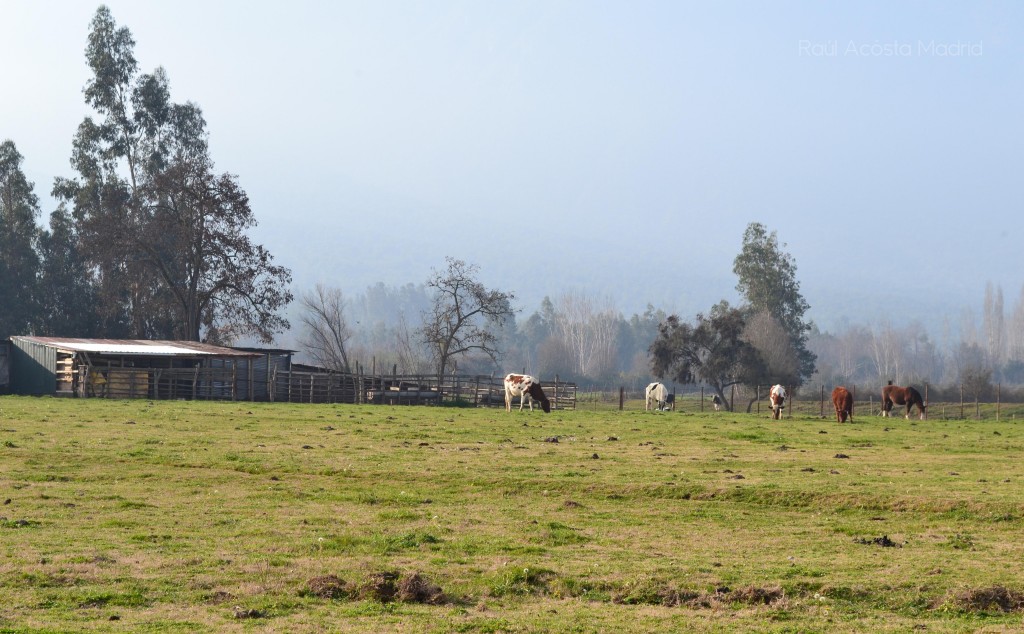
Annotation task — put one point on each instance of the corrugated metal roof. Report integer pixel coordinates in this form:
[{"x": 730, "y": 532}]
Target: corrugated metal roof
[{"x": 138, "y": 347}]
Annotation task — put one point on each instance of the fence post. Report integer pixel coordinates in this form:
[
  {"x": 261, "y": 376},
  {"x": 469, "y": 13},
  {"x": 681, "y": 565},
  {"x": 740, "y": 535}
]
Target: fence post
[
  {"x": 732, "y": 399},
  {"x": 998, "y": 390},
  {"x": 556, "y": 392},
  {"x": 702, "y": 399},
  {"x": 757, "y": 398},
  {"x": 961, "y": 400},
  {"x": 266, "y": 376},
  {"x": 622, "y": 398},
  {"x": 823, "y": 400}
]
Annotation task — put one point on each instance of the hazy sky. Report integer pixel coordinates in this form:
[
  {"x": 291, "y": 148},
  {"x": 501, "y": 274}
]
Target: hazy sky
[{"x": 617, "y": 148}]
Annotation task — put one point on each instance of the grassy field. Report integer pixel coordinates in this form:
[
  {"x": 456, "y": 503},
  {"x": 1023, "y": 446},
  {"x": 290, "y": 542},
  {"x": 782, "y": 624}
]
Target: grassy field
[{"x": 217, "y": 517}]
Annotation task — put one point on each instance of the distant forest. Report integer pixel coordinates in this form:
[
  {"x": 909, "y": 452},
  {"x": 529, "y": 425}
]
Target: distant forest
[{"x": 586, "y": 339}]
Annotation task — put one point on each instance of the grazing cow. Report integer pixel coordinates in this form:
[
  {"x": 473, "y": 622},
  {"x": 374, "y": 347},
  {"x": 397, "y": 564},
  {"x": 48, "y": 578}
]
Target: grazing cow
[
  {"x": 716, "y": 402},
  {"x": 527, "y": 389},
  {"x": 778, "y": 398},
  {"x": 896, "y": 395},
  {"x": 843, "y": 402},
  {"x": 656, "y": 395}
]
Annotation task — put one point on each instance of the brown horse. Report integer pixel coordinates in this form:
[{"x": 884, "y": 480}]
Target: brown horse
[
  {"x": 844, "y": 404},
  {"x": 896, "y": 395}
]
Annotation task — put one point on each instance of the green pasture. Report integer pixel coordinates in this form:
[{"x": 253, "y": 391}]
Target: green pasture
[{"x": 217, "y": 517}]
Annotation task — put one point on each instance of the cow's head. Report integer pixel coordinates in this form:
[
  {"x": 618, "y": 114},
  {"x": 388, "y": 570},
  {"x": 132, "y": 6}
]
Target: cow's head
[{"x": 537, "y": 394}]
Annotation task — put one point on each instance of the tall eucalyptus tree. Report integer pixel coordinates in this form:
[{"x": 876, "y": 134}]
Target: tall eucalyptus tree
[
  {"x": 19, "y": 260},
  {"x": 165, "y": 233}
]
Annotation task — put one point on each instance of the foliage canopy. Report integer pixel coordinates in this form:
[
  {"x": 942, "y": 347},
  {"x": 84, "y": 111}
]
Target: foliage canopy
[{"x": 767, "y": 280}]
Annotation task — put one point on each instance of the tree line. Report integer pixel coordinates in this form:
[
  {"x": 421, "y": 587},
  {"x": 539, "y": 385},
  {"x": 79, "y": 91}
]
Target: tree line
[
  {"x": 463, "y": 325},
  {"x": 764, "y": 340},
  {"x": 977, "y": 358}
]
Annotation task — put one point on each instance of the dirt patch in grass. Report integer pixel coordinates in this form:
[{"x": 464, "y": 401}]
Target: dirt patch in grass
[
  {"x": 756, "y": 595},
  {"x": 669, "y": 595},
  {"x": 250, "y": 613},
  {"x": 882, "y": 541},
  {"x": 991, "y": 599},
  {"x": 388, "y": 586},
  {"x": 379, "y": 586},
  {"x": 415, "y": 588},
  {"x": 218, "y": 597},
  {"x": 327, "y": 587}
]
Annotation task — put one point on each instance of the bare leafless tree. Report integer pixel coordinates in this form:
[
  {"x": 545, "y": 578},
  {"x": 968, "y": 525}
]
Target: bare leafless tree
[
  {"x": 1016, "y": 330},
  {"x": 588, "y": 329},
  {"x": 411, "y": 355},
  {"x": 851, "y": 349},
  {"x": 770, "y": 338},
  {"x": 994, "y": 324},
  {"x": 325, "y": 329},
  {"x": 887, "y": 353},
  {"x": 465, "y": 317}
]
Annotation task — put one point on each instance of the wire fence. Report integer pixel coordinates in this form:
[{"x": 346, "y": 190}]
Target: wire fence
[
  {"x": 289, "y": 386},
  {"x": 951, "y": 403}
]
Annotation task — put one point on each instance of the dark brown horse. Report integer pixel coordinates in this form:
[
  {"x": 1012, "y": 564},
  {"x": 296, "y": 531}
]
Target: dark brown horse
[
  {"x": 896, "y": 395},
  {"x": 844, "y": 404}
]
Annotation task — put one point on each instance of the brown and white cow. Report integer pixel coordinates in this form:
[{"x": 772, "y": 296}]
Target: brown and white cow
[
  {"x": 657, "y": 397},
  {"x": 843, "y": 402},
  {"x": 777, "y": 396},
  {"x": 527, "y": 389}
]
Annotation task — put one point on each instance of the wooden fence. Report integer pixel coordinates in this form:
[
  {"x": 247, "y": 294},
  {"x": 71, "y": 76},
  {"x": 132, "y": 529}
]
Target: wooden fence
[{"x": 289, "y": 386}]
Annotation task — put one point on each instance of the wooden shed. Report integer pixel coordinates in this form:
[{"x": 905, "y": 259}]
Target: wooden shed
[{"x": 124, "y": 368}]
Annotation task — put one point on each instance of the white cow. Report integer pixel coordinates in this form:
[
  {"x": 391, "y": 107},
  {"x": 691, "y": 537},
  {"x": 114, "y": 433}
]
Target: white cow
[
  {"x": 527, "y": 389},
  {"x": 656, "y": 395},
  {"x": 716, "y": 402},
  {"x": 778, "y": 399}
]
